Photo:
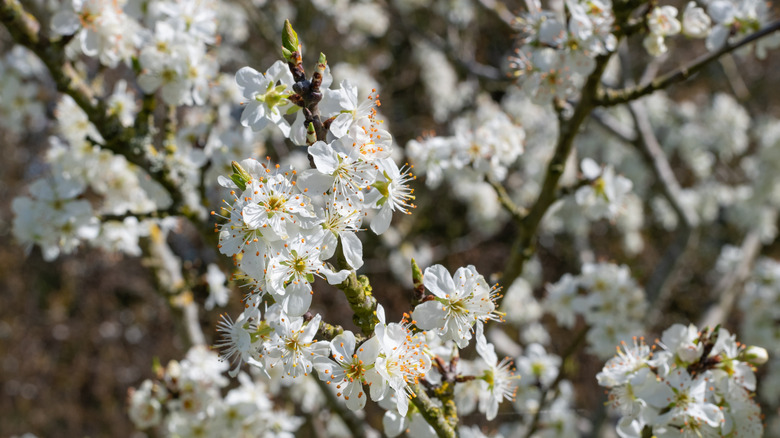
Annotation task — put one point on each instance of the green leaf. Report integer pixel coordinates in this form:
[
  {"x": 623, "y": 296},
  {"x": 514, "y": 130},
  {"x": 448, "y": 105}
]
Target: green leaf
[{"x": 290, "y": 41}]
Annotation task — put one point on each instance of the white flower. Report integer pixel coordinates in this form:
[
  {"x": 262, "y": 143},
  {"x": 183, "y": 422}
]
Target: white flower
[
  {"x": 621, "y": 368},
  {"x": 237, "y": 344},
  {"x": 687, "y": 398},
  {"x": 498, "y": 378},
  {"x": 276, "y": 207},
  {"x": 352, "y": 368},
  {"x": 267, "y": 100},
  {"x": 696, "y": 23},
  {"x": 218, "y": 293},
  {"x": 662, "y": 21},
  {"x": 401, "y": 361},
  {"x": 343, "y": 104},
  {"x": 294, "y": 347},
  {"x": 460, "y": 301},
  {"x": 683, "y": 342},
  {"x": 605, "y": 196},
  {"x": 145, "y": 410},
  {"x": 655, "y": 44},
  {"x": 536, "y": 364},
  {"x": 389, "y": 194},
  {"x": 342, "y": 172}
]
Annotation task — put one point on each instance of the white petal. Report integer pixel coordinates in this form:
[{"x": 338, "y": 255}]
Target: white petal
[
  {"x": 325, "y": 158},
  {"x": 429, "y": 315},
  {"x": 381, "y": 221},
  {"x": 394, "y": 423},
  {"x": 297, "y": 298},
  {"x": 438, "y": 280},
  {"x": 353, "y": 249},
  {"x": 65, "y": 23},
  {"x": 343, "y": 346}
]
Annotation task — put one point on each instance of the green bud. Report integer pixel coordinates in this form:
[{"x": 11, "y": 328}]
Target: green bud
[
  {"x": 322, "y": 60},
  {"x": 311, "y": 134},
  {"x": 240, "y": 176},
  {"x": 290, "y": 41},
  {"x": 417, "y": 276}
]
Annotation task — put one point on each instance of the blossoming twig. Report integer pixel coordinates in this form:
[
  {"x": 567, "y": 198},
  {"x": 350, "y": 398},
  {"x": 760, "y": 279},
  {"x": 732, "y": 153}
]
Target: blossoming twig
[{"x": 615, "y": 97}]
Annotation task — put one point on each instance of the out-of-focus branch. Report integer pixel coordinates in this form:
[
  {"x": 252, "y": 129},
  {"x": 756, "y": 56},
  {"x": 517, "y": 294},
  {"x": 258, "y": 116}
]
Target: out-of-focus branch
[
  {"x": 614, "y": 97},
  {"x": 515, "y": 210},
  {"x": 524, "y": 243},
  {"x": 658, "y": 287},
  {"x": 171, "y": 283},
  {"x": 123, "y": 141},
  {"x": 570, "y": 350},
  {"x": 736, "y": 81},
  {"x": 500, "y": 9},
  {"x": 357, "y": 427},
  {"x": 728, "y": 288},
  {"x": 614, "y": 126}
]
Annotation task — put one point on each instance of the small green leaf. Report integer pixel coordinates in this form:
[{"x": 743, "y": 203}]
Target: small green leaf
[{"x": 290, "y": 41}]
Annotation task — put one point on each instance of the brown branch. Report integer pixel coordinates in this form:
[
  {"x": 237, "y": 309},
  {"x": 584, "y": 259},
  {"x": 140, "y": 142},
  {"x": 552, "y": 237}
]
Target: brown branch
[
  {"x": 659, "y": 286},
  {"x": 515, "y": 210},
  {"x": 727, "y": 289},
  {"x": 523, "y": 247},
  {"x": 614, "y": 97}
]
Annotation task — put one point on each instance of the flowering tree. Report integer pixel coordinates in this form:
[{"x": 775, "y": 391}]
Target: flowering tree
[{"x": 158, "y": 116}]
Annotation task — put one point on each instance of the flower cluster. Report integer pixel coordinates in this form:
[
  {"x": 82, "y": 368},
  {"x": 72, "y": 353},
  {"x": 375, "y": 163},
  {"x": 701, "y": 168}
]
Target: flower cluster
[
  {"x": 556, "y": 55},
  {"x": 187, "y": 400},
  {"x": 723, "y": 20},
  {"x": 284, "y": 227},
  {"x": 608, "y": 299},
  {"x": 699, "y": 383}
]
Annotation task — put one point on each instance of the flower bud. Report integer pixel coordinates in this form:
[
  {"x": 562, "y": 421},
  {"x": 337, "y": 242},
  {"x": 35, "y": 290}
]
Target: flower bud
[
  {"x": 240, "y": 176},
  {"x": 290, "y": 42},
  {"x": 755, "y": 355}
]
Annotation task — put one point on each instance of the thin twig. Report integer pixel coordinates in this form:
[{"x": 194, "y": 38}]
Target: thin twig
[
  {"x": 727, "y": 289},
  {"x": 515, "y": 210},
  {"x": 570, "y": 349},
  {"x": 658, "y": 287},
  {"x": 614, "y": 97},
  {"x": 502, "y": 12},
  {"x": 614, "y": 126}
]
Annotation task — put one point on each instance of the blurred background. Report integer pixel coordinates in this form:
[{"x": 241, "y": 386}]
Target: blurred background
[{"x": 77, "y": 332}]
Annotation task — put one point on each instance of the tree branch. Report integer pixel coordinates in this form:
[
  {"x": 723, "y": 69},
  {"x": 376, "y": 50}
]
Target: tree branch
[
  {"x": 515, "y": 210},
  {"x": 357, "y": 427},
  {"x": 123, "y": 141},
  {"x": 433, "y": 414},
  {"x": 727, "y": 290},
  {"x": 659, "y": 287},
  {"x": 524, "y": 246},
  {"x": 614, "y": 97}
]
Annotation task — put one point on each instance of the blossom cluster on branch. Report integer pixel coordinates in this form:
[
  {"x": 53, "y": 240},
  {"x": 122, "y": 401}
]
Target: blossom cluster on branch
[{"x": 552, "y": 164}]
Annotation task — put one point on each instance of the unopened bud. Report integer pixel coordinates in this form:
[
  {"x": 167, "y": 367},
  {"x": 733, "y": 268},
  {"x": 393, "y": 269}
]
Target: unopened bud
[
  {"x": 755, "y": 355},
  {"x": 311, "y": 134},
  {"x": 290, "y": 42},
  {"x": 240, "y": 176}
]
